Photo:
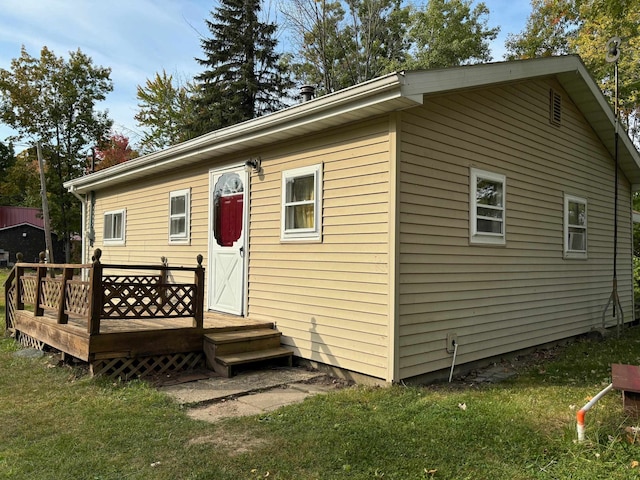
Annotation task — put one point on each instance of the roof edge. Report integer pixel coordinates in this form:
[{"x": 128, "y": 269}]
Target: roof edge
[
  {"x": 23, "y": 224},
  {"x": 387, "y": 93},
  {"x": 486, "y": 74},
  {"x": 377, "y": 91}
]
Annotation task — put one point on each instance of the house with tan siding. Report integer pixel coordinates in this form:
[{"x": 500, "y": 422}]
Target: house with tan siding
[{"x": 381, "y": 226}]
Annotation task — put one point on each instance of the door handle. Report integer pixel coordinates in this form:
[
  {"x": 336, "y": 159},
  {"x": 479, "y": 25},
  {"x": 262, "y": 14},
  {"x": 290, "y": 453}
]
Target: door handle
[{"x": 242, "y": 252}]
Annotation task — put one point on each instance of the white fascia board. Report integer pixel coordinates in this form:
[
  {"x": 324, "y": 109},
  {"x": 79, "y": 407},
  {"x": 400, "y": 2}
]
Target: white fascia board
[
  {"x": 23, "y": 224},
  {"x": 482, "y": 75},
  {"x": 588, "y": 97},
  {"x": 569, "y": 70},
  {"x": 379, "y": 91},
  {"x": 388, "y": 93},
  {"x": 629, "y": 158}
]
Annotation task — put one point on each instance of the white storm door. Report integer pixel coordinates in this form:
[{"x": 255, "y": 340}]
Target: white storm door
[{"x": 227, "y": 241}]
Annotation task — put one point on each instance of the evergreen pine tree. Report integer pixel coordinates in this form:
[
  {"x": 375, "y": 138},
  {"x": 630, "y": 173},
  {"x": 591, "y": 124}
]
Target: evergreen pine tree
[{"x": 243, "y": 76}]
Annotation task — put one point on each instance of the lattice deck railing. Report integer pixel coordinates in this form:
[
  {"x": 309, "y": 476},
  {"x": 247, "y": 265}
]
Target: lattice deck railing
[
  {"x": 9, "y": 302},
  {"x": 135, "y": 296},
  {"x": 28, "y": 289},
  {"x": 77, "y": 298},
  {"x": 124, "y": 300}
]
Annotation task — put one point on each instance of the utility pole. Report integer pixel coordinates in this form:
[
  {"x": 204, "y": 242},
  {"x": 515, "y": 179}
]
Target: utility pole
[{"x": 45, "y": 207}]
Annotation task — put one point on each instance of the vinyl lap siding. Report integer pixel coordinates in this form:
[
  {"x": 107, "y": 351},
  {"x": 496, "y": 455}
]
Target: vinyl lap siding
[
  {"x": 500, "y": 299},
  {"x": 329, "y": 298},
  {"x": 147, "y": 220}
]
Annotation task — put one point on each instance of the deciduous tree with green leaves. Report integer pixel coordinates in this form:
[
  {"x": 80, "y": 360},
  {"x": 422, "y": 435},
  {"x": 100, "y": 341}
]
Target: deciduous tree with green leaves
[
  {"x": 7, "y": 160},
  {"x": 165, "y": 112},
  {"x": 53, "y": 100},
  {"x": 600, "y": 20},
  {"x": 584, "y": 27},
  {"x": 343, "y": 43},
  {"x": 549, "y": 28},
  {"x": 449, "y": 33},
  {"x": 20, "y": 181},
  {"x": 243, "y": 76}
]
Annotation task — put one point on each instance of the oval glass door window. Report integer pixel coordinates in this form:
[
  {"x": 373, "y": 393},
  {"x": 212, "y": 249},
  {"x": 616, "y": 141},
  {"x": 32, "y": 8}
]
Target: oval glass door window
[{"x": 228, "y": 200}]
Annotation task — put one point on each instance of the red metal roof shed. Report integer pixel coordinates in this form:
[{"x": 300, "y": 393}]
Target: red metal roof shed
[{"x": 12, "y": 216}]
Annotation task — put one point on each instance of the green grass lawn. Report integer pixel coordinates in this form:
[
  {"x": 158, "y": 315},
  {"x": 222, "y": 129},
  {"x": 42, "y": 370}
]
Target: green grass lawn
[{"x": 57, "y": 423}]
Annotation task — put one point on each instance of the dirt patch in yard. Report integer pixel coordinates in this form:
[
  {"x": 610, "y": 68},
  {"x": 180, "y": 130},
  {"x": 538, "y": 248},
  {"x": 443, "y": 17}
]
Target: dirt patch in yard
[
  {"x": 232, "y": 443},
  {"x": 328, "y": 380},
  {"x": 515, "y": 363}
]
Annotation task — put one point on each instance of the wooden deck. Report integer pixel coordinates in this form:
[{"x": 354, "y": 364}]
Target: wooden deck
[
  {"x": 127, "y": 337},
  {"x": 122, "y": 325}
]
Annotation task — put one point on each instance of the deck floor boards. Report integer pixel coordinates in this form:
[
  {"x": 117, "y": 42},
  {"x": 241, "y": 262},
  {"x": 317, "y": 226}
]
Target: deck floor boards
[
  {"x": 129, "y": 337},
  {"x": 212, "y": 322},
  {"x": 137, "y": 341}
]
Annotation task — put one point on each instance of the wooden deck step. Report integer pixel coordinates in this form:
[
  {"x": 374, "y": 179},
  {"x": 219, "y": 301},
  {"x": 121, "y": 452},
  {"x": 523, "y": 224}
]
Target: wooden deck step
[
  {"x": 224, "y": 350},
  {"x": 225, "y": 343},
  {"x": 249, "y": 357},
  {"x": 224, "y": 364},
  {"x": 240, "y": 335}
]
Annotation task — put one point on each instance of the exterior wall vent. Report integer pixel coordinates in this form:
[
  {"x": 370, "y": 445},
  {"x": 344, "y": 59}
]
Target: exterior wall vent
[{"x": 555, "y": 108}]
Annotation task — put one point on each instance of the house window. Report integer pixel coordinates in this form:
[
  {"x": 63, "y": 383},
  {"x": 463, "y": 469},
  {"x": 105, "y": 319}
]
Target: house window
[
  {"x": 487, "y": 213},
  {"x": 575, "y": 227},
  {"x": 179, "y": 216},
  {"x": 115, "y": 227},
  {"x": 302, "y": 204}
]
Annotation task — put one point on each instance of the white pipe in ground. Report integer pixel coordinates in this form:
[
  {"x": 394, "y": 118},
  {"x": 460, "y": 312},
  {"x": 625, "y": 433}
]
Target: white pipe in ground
[
  {"x": 583, "y": 411},
  {"x": 453, "y": 363}
]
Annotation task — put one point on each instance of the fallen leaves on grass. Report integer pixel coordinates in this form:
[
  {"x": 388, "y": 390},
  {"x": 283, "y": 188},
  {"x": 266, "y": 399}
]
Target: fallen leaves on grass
[
  {"x": 431, "y": 472},
  {"x": 632, "y": 434},
  {"x": 255, "y": 470}
]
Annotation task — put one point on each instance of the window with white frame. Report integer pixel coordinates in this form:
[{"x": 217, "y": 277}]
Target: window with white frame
[
  {"x": 179, "y": 205},
  {"x": 302, "y": 204},
  {"x": 487, "y": 196},
  {"x": 575, "y": 227},
  {"x": 115, "y": 227}
]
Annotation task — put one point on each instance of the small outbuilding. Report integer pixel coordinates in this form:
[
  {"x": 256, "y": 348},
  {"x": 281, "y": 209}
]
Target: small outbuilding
[
  {"x": 379, "y": 224},
  {"x": 22, "y": 231}
]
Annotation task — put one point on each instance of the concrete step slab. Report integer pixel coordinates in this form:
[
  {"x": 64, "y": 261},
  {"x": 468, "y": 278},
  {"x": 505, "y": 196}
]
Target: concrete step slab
[
  {"x": 258, "y": 403},
  {"x": 215, "y": 389}
]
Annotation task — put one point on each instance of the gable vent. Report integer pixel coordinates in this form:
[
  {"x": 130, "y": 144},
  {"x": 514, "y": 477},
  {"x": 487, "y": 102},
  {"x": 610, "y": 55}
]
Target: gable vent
[{"x": 555, "y": 108}]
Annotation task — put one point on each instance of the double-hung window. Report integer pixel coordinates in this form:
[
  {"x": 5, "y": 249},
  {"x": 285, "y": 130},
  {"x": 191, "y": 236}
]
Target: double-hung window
[
  {"x": 575, "y": 227},
  {"x": 487, "y": 197},
  {"x": 179, "y": 216},
  {"x": 115, "y": 227},
  {"x": 302, "y": 204}
]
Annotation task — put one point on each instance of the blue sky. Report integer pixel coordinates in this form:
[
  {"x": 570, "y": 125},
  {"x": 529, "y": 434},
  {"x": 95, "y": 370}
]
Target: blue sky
[{"x": 137, "y": 38}]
